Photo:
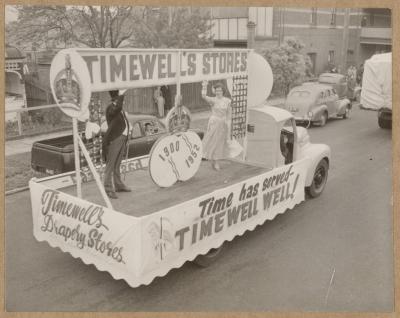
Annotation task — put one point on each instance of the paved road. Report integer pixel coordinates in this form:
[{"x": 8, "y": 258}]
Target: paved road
[{"x": 334, "y": 253}]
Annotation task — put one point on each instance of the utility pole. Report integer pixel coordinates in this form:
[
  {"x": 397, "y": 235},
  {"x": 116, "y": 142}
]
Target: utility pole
[
  {"x": 281, "y": 32},
  {"x": 169, "y": 16},
  {"x": 345, "y": 41}
]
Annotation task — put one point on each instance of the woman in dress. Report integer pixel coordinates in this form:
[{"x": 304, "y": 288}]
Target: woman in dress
[{"x": 215, "y": 141}]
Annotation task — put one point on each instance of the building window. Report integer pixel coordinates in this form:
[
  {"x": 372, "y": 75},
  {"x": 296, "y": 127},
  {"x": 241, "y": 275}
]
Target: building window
[
  {"x": 331, "y": 57},
  {"x": 333, "y": 17},
  {"x": 313, "y": 60},
  {"x": 263, "y": 18},
  {"x": 371, "y": 20},
  {"x": 313, "y": 18}
]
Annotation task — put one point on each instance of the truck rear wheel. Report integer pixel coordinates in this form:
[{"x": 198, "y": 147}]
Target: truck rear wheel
[
  {"x": 319, "y": 179},
  {"x": 209, "y": 258},
  {"x": 384, "y": 123}
]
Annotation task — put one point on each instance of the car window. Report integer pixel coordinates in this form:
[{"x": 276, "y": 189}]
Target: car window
[
  {"x": 136, "y": 132},
  {"x": 302, "y": 94},
  {"x": 159, "y": 127},
  {"x": 150, "y": 127}
]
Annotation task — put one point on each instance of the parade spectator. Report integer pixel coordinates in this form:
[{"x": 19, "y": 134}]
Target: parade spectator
[
  {"x": 215, "y": 141},
  {"x": 360, "y": 72},
  {"x": 147, "y": 129},
  {"x": 115, "y": 144},
  {"x": 166, "y": 93},
  {"x": 159, "y": 100}
]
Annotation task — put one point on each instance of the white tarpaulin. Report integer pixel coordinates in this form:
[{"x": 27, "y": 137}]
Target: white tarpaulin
[
  {"x": 140, "y": 249},
  {"x": 376, "y": 89}
]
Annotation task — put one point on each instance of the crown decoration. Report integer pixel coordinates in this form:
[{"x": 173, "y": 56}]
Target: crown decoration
[
  {"x": 67, "y": 86},
  {"x": 178, "y": 119}
]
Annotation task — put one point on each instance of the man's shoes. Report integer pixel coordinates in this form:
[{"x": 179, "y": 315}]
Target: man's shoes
[
  {"x": 112, "y": 195},
  {"x": 124, "y": 189}
]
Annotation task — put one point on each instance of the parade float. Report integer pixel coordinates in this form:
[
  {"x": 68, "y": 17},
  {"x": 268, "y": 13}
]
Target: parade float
[{"x": 180, "y": 209}]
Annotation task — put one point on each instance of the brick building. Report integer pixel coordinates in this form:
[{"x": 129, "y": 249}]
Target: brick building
[{"x": 332, "y": 36}]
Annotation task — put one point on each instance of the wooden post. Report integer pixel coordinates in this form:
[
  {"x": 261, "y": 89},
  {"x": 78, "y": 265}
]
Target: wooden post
[
  {"x": 178, "y": 79},
  {"x": 251, "y": 34},
  {"x": 77, "y": 159},
  {"x": 94, "y": 172}
]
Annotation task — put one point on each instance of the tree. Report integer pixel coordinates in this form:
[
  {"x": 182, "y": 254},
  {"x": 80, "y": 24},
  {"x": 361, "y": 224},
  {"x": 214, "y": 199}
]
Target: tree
[
  {"x": 289, "y": 66},
  {"x": 179, "y": 27},
  {"x": 107, "y": 26}
]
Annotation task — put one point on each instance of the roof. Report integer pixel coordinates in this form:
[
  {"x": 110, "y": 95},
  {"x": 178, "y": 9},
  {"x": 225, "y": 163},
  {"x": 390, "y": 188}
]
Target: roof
[
  {"x": 312, "y": 87},
  {"x": 332, "y": 75},
  {"x": 278, "y": 114},
  {"x": 13, "y": 53}
]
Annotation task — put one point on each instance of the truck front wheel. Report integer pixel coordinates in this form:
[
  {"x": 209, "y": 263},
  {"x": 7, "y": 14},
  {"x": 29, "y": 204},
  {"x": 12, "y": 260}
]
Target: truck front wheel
[
  {"x": 209, "y": 258},
  {"x": 319, "y": 179}
]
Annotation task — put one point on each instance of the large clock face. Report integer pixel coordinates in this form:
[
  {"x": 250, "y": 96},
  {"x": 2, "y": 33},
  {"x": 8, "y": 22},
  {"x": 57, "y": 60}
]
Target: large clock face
[{"x": 175, "y": 157}]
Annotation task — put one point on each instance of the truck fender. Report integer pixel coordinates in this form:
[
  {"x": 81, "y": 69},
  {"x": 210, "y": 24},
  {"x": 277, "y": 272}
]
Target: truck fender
[
  {"x": 342, "y": 105},
  {"x": 318, "y": 111},
  {"x": 316, "y": 153}
]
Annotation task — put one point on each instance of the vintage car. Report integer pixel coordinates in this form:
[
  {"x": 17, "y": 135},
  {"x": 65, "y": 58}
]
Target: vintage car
[
  {"x": 341, "y": 85},
  {"x": 314, "y": 103},
  {"x": 56, "y": 155}
]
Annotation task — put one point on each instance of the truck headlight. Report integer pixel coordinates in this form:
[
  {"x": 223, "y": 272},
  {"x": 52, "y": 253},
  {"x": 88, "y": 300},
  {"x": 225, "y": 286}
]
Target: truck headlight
[{"x": 310, "y": 114}]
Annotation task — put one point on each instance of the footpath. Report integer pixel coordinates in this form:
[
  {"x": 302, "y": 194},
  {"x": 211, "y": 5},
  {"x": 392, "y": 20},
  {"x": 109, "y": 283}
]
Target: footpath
[{"x": 13, "y": 147}]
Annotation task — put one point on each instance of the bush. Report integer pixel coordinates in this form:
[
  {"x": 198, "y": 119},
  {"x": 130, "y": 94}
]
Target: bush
[
  {"x": 50, "y": 116},
  {"x": 38, "y": 121}
]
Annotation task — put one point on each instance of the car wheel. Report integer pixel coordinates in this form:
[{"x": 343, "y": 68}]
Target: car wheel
[
  {"x": 384, "y": 123},
  {"x": 323, "y": 120},
  {"x": 346, "y": 113},
  {"x": 319, "y": 179},
  {"x": 209, "y": 258}
]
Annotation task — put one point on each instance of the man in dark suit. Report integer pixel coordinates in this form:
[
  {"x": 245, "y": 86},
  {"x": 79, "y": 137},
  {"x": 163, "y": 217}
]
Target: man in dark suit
[{"x": 115, "y": 144}]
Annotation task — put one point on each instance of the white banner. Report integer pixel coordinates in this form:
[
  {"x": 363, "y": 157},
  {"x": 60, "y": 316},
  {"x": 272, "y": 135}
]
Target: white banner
[
  {"x": 111, "y": 69},
  {"x": 140, "y": 249},
  {"x": 180, "y": 233},
  {"x": 99, "y": 236}
]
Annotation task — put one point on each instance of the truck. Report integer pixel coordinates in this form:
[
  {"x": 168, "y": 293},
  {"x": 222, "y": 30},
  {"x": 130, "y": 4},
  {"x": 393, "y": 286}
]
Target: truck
[
  {"x": 56, "y": 155},
  {"x": 376, "y": 92},
  {"x": 153, "y": 229}
]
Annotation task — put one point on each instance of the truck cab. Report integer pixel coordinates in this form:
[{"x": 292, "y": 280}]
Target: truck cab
[{"x": 274, "y": 140}]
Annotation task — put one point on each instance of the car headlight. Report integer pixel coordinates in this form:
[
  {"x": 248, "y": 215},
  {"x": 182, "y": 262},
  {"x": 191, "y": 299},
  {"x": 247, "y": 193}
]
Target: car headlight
[{"x": 310, "y": 114}]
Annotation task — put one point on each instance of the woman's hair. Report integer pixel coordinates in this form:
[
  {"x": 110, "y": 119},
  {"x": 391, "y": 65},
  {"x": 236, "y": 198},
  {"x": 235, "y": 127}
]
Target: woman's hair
[{"x": 219, "y": 85}]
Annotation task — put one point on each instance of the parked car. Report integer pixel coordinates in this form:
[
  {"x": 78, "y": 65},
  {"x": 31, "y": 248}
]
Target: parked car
[
  {"x": 56, "y": 155},
  {"x": 314, "y": 103},
  {"x": 340, "y": 84}
]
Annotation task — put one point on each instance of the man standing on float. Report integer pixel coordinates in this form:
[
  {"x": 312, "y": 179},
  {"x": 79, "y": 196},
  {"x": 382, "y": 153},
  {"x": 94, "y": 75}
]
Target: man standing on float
[{"x": 115, "y": 144}]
